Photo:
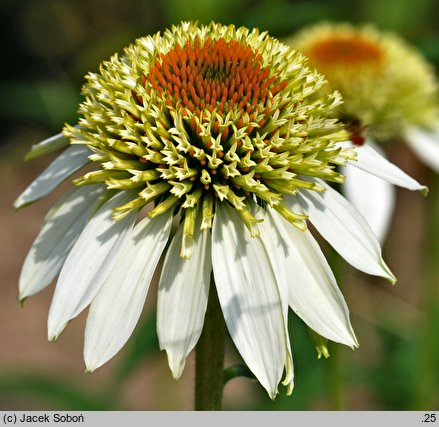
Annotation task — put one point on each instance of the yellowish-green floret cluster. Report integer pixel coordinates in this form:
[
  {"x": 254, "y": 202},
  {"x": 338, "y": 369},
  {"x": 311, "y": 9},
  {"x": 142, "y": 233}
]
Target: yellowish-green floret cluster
[
  {"x": 385, "y": 83},
  {"x": 199, "y": 115}
]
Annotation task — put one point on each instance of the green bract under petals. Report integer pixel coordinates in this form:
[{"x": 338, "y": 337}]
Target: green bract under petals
[{"x": 205, "y": 114}]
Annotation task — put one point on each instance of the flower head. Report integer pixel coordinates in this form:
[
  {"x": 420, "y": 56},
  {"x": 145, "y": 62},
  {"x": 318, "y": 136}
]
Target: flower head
[
  {"x": 390, "y": 93},
  {"x": 222, "y": 133},
  {"x": 200, "y": 114},
  {"x": 386, "y": 84}
]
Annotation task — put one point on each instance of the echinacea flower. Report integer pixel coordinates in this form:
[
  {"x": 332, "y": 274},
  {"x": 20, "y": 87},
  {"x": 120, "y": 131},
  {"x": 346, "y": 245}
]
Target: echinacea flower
[
  {"x": 390, "y": 94},
  {"x": 209, "y": 147}
]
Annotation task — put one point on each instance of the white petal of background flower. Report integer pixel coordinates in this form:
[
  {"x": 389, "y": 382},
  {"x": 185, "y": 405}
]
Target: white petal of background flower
[
  {"x": 88, "y": 264},
  {"x": 369, "y": 160},
  {"x": 345, "y": 229},
  {"x": 115, "y": 310},
  {"x": 49, "y": 145},
  {"x": 249, "y": 297},
  {"x": 313, "y": 292},
  {"x": 61, "y": 228},
  {"x": 372, "y": 196},
  {"x": 182, "y": 298},
  {"x": 71, "y": 160},
  {"x": 426, "y": 145}
]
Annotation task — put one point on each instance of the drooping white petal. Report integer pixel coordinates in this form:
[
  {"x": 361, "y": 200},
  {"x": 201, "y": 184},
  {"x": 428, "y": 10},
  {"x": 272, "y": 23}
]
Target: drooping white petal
[
  {"x": 426, "y": 145},
  {"x": 182, "y": 298},
  {"x": 61, "y": 228},
  {"x": 88, "y": 264},
  {"x": 71, "y": 160},
  {"x": 49, "y": 145},
  {"x": 369, "y": 160},
  {"x": 346, "y": 230},
  {"x": 313, "y": 293},
  {"x": 116, "y": 308},
  {"x": 372, "y": 196},
  {"x": 274, "y": 247},
  {"x": 249, "y": 296}
]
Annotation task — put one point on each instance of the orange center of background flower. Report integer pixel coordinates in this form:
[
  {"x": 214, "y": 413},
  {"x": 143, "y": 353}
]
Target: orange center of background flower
[{"x": 345, "y": 49}]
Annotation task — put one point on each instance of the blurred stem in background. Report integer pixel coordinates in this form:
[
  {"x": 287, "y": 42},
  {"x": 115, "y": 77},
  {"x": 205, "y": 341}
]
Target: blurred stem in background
[{"x": 428, "y": 350}]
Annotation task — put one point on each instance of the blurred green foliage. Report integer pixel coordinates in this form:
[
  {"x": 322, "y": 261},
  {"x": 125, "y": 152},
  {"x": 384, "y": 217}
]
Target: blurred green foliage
[{"x": 51, "y": 44}]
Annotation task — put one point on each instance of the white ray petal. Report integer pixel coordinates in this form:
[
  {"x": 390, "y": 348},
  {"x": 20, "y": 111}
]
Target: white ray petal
[
  {"x": 182, "y": 298},
  {"x": 88, "y": 264},
  {"x": 313, "y": 293},
  {"x": 274, "y": 247},
  {"x": 346, "y": 230},
  {"x": 249, "y": 296},
  {"x": 61, "y": 228},
  {"x": 372, "y": 196},
  {"x": 369, "y": 160},
  {"x": 71, "y": 160},
  {"x": 49, "y": 145},
  {"x": 426, "y": 145},
  {"x": 115, "y": 310}
]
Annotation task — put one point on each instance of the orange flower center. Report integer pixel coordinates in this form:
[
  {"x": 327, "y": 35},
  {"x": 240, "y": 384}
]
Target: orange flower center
[
  {"x": 215, "y": 76},
  {"x": 345, "y": 49}
]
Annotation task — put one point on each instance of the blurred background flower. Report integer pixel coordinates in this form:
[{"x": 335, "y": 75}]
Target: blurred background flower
[
  {"x": 49, "y": 45},
  {"x": 390, "y": 95}
]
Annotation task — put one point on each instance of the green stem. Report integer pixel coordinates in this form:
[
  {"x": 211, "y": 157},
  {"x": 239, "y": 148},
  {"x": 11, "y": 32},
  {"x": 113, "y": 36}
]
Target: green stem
[{"x": 209, "y": 359}]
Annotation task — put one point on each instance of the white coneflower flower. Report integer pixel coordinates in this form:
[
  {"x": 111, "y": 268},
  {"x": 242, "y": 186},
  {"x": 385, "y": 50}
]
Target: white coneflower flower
[
  {"x": 218, "y": 131},
  {"x": 390, "y": 93}
]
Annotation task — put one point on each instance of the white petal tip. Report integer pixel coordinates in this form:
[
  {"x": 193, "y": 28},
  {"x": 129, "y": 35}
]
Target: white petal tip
[
  {"x": 21, "y": 299},
  {"x": 54, "y": 334},
  {"x": 272, "y": 395},
  {"x": 19, "y": 203},
  {"x": 93, "y": 363},
  {"x": 176, "y": 367},
  {"x": 424, "y": 191},
  {"x": 354, "y": 344},
  {"x": 176, "y": 376},
  {"x": 387, "y": 273}
]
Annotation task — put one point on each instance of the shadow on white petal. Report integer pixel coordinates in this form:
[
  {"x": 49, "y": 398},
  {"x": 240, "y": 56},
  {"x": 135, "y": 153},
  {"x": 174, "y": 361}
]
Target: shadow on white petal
[
  {"x": 182, "y": 298},
  {"x": 313, "y": 293},
  {"x": 115, "y": 310},
  {"x": 372, "y": 196},
  {"x": 346, "y": 230},
  {"x": 371, "y": 161},
  {"x": 61, "y": 228},
  {"x": 88, "y": 264},
  {"x": 68, "y": 162},
  {"x": 249, "y": 297}
]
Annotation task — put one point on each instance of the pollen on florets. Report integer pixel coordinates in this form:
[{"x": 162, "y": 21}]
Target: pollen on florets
[{"x": 205, "y": 114}]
